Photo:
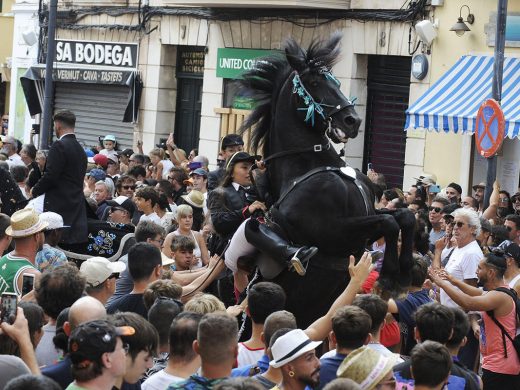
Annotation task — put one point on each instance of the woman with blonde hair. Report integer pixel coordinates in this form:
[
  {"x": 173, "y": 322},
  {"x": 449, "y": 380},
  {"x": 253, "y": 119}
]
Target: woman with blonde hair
[
  {"x": 161, "y": 164},
  {"x": 185, "y": 222}
]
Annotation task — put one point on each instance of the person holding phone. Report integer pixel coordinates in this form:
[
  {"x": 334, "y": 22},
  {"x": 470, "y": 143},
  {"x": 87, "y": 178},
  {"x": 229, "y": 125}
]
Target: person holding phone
[{"x": 26, "y": 229}]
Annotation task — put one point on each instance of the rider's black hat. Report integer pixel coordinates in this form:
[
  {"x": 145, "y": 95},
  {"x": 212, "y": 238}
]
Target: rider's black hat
[{"x": 241, "y": 157}]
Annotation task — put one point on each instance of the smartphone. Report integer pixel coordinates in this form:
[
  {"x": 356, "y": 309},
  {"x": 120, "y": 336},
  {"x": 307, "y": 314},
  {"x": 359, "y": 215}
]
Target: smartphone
[
  {"x": 369, "y": 167},
  {"x": 434, "y": 189},
  {"x": 27, "y": 283},
  {"x": 9, "y": 302}
]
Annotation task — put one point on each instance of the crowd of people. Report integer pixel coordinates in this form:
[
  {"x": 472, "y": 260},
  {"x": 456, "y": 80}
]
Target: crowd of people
[{"x": 116, "y": 261}]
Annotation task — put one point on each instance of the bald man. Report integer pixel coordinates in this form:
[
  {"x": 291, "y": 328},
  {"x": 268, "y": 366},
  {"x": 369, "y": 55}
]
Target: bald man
[{"x": 85, "y": 309}]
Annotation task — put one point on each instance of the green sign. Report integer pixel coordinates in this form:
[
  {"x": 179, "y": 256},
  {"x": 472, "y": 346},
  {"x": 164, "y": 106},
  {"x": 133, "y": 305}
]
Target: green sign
[
  {"x": 244, "y": 103},
  {"x": 231, "y": 63}
]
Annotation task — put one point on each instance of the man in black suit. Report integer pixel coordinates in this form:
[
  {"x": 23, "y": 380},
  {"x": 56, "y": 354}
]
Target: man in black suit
[
  {"x": 62, "y": 180},
  {"x": 231, "y": 144}
]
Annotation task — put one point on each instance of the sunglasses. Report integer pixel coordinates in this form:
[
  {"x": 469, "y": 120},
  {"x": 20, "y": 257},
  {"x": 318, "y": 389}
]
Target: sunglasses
[
  {"x": 436, "y": 209},
  {"x": 114, "y": 208},
  {"x": 515, "y": 200},
  {"x": 129, "y": 187},
  {"x": 504, "y": 200},
  {"x": 459, "y": 224}
]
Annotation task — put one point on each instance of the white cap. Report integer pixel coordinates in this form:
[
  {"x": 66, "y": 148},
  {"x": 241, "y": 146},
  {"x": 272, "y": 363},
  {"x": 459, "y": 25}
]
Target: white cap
[
  {"x": 98, "y": 269},
  {"x": 54, "y": 220}
]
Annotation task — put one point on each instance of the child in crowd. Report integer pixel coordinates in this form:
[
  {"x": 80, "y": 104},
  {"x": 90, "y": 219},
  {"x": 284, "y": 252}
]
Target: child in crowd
[
  {"x": 182, "y": 252},
  {"x": 109, "y": 144},
  {"x": 145, "y": 199}
]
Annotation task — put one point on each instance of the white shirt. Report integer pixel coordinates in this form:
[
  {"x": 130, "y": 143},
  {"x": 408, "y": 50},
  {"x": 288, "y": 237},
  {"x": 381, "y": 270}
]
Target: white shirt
[
  {"x": 153, "y": 217},
  {"x": 160, "y": 381},
  {"x": 462, "y": 265},
  {"x": 513, "y": 281},
  {"x": 247, "y": 356},
  {"x": 15, "y": 159}
]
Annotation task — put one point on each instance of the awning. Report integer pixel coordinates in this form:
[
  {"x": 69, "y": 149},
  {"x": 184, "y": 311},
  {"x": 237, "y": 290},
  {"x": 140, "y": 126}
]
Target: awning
[
  {"x": 452, "y": 103},
  {"x": 33, "y": 85}
]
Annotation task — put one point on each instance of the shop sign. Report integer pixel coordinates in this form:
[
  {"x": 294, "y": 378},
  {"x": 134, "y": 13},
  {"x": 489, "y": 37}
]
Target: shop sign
[
  {"x": 231, "y": 63},
  {"x": 190, "y": 61},
  {"x": 94, "y": 76},
  {"x": 96, "y": 53}
]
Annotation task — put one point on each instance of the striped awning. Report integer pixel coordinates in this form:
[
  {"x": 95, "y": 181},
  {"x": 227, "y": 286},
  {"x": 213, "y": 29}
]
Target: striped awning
[{"x": 452, "y": 103}]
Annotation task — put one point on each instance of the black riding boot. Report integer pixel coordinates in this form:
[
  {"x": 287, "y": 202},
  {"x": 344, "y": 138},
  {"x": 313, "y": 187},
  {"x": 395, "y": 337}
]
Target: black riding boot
[{"x": 270, "y": 243}]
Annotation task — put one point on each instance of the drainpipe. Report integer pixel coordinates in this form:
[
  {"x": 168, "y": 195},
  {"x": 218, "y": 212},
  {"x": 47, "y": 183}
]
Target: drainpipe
[
  {"x": 496, "y": 89},
  {"x": 48, "y": 102}
]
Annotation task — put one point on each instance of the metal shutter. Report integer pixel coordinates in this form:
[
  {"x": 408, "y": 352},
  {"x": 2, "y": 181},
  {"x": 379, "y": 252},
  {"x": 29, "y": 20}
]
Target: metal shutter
[
  {"x": 99, "y": 111},
  {"x": 388, "y": 85}
]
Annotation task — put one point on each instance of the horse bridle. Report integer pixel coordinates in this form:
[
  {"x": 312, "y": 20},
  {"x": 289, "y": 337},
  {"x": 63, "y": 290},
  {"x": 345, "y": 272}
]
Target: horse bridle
[{"x": 312, "y": 107}]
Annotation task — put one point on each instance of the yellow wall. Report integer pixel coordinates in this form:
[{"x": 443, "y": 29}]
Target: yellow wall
[
  {"x": 6, "y": 32},
  {"x": 442, "y": 151}
]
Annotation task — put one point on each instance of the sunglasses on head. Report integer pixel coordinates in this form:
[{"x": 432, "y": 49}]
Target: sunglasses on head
[
  {"x": 129, "y": 187},
  {"x": 168, "y": 299},
  {"x": 436, "y": 209}
]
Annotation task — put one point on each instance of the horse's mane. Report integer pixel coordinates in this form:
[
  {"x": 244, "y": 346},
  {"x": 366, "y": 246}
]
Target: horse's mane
[{"x": 269, "y": 75}]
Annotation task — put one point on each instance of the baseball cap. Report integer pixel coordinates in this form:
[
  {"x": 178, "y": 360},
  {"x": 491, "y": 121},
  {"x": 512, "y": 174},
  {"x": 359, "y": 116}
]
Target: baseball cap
[
  {"x": 291, "y": 346},
  {"x": 427, "y": 178},
  {"x": 54, "y": 220},
  {"x": 123, "y": 202},
  {"x": 101, "y": 160},
  {"x": 199, "y": 172},
  {"x": 456, "y": 187},
  {"x": 513, "y": 250},
  {"x": 479, "y": 185},
  {"x": 90, "y": 340},
  {"x": 113, "y": 157},
  {"x": 110, "y": 137},
  {"x": 231, "y": 140},
  {"x": 97, "y": 174},
  {"x": 98, "y": 269}
]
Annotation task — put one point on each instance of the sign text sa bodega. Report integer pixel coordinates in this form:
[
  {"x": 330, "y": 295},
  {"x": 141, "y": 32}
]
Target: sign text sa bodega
[{"x": 97, "y": 53}]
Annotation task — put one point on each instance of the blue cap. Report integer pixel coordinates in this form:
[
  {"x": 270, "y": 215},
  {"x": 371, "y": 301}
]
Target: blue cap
[
  {"x": 97, "y": 174},
  {"x": 200, "y": 172},
  {"x": 89, "y": 152}
]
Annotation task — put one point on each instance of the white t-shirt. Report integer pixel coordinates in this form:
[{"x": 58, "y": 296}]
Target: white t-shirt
[
  {"x": 247, "y": 356},
  {"x": 153, "y": 217},
  {"x": 160, "y": 381},
  {"x": 513, "y": 281},
  {"x": 462, "y": 265}
]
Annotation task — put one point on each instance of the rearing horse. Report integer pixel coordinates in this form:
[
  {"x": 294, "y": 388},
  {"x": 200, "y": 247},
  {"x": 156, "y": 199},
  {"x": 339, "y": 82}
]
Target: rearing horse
[{"x": 318, "y": 201}]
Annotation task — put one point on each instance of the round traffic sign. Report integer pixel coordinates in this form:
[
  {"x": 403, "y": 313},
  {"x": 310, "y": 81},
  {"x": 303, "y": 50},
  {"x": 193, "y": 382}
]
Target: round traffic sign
[{"x": 490, "y": 128}]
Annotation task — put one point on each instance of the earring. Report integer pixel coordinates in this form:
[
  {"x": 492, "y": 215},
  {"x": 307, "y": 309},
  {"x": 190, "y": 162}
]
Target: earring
[{"x": 291, "y": 374}]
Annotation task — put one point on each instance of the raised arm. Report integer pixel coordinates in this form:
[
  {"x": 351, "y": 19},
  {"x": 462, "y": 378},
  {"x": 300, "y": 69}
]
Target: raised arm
[{"x": 320, "y": 328}]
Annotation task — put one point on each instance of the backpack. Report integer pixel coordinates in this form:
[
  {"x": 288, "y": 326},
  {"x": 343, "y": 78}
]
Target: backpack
[{"x": 516, "y": 339}]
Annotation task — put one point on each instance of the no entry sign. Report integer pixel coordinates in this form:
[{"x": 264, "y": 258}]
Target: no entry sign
[{"x": 490, "y": 128}]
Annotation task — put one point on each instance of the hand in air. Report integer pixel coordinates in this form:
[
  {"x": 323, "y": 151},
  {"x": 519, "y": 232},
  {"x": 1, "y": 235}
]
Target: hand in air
[{"x": 359, "y": 272}]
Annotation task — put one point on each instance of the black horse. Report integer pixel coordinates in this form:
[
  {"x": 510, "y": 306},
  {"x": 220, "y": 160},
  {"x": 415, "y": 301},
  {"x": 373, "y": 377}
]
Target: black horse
[{"x": 299, "y": 104}]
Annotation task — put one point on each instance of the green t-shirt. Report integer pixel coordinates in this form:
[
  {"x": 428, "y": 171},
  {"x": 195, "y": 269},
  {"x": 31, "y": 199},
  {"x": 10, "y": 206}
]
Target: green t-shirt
[
  {"x": 74, "y": 386},
  {"x": 11, "y": 267}
]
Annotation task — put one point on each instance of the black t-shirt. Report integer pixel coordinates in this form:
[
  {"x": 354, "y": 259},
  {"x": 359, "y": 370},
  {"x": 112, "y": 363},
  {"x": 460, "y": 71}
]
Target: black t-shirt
[{"x": 131, "y": 302}]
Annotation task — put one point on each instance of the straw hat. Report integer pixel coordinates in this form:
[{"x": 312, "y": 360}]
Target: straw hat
[
  {"x": 194, "y": 198},
  {"x": 366, "y": 367},
  {"x": 25, "y": 223}
]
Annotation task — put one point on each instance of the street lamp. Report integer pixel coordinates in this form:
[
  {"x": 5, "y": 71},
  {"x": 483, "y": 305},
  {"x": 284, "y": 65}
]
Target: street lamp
[{"x": 460, "y": 27}]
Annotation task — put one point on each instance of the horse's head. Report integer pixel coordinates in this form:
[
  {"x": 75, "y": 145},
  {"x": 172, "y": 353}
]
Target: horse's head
[{"x": 317, "y": 93}]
